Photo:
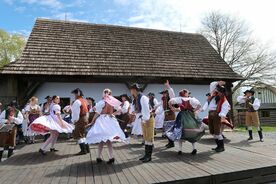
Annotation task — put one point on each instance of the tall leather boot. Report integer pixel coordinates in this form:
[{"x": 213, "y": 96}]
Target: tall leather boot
[
  {"x": 1, "y": 155},
  {"x": 250, "y": 132},
  {"x": 220, "y": 146},
  {"x": 87, "y": 149},
  {"x": 143, "y": 158},
  {"x": 170, "y": 144},
  {"x": 83, "y": 149},
  {"x": 261, "y": 135},
  {"x": 10, "y": 152},
  {"x": 217, "y": 142},
  {"x": 148, "y": 154}
]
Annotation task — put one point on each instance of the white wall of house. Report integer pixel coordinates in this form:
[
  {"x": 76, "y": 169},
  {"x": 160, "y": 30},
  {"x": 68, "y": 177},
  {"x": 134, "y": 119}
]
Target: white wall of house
[{"x": 95, "y": 90}]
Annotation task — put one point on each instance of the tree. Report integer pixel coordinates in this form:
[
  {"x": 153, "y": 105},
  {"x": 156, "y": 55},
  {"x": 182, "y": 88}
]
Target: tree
[
  {"x": 232, "y": 39},
  {"x": 11, "y": 47}
]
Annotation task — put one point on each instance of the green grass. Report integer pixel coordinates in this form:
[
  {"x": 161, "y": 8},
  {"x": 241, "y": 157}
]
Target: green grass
[{"x": 265, "y": 127}]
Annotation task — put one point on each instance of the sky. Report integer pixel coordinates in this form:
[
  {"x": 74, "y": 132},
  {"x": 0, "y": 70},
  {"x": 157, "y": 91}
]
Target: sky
[{"x": 18, "y": 16}]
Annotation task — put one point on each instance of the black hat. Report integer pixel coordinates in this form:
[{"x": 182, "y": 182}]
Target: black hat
[
  {"x": 151, "y": 94},
  {"x": 92, "y": 99},
  {"x": 135, "y": 86},
  {"x": 208, "y": 94},
  {"x": 221, "y": 89},
  {"x": 47, "y": 97},
  {"x": 77, "y": 91},
  {"x": 13, "y": 103},
  {"x": 126, "y": 96},
  {"x": 249, "y": 91},
  {"x": 162, "y": 92}
]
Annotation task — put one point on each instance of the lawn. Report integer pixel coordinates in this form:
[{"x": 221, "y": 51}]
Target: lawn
[{"x": 265, "y": 127}]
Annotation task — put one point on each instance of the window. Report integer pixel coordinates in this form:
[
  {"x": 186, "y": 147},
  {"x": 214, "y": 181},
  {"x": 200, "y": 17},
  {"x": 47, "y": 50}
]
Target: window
[{"x": 265, "y": 114}]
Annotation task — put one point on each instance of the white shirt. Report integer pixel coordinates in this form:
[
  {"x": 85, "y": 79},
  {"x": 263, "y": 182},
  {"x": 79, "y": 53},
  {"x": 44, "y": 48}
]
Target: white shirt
[
  {"x": 125, "y": 107},
  {"x": 145, "y": 111},
  {"x": 171, "y": 95},
  {"x": 256, "y": 104},
  {"x": 76, "y": 111},
  {"x": 178, "y": 100},
  {"x": 212, "y": 106},
  {"x": 213, "y": 86},
  {"x": 17, "y": 120}
]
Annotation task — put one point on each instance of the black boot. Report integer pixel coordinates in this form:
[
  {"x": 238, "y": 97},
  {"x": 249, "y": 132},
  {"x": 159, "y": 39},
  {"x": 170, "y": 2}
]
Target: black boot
[
  {"x": 220, "y": 146},
  {"x": 83, "y": 149},
  {"x": 10, "y": 152},
  {"x": 87, "y": 148},
  {"x": 110, "y": 161},
  {"x": 216, "y": 140},
  {"x": 143, "y": 158},
  {"x": 261, "y": 135},
  {"x": 1, "y": 155},
  {"x": 170, "y": 144},
  {"x": 250, "y": 132},
  {"x": 148, "y": 154}
]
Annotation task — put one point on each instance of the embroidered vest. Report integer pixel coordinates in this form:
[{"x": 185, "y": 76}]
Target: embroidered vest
[
  {"x": 248, "y": 106},
  {"x": 186, "y": 105},
  {"x": 108, "y": 109},
  {"x": 83, "y": 107},
  {"x": 137, "y": 103}
]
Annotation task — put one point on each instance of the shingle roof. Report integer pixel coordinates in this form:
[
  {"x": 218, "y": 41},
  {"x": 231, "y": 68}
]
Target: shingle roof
[{"x": 74, "y": 48}]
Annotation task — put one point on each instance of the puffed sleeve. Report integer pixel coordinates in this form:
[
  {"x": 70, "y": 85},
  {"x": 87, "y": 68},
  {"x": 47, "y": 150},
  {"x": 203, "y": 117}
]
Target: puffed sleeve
[
  {"x": 176, "y": 100},
  {"x": 256, "y": 104},
  {"x": 224, "y": 109},
  {"x": 205, "y": 106},
  {"x": 27, "y": 108},
  {"x": 195, "y": 103},
  {"x": 3, "y": 117},
  {"x": 57, "y": 109},
  {"x": 19, "y": 119},
  {"x": 99, "y": 106},
  {"x": 145, "y": 108},
  {"x": 240, "y": 99},
  {"x": 125, "y": 107},
  {"x": 171, "y": 92},
  {"x": 76, "y": 111},
  {"x": 213, "y": 86}
]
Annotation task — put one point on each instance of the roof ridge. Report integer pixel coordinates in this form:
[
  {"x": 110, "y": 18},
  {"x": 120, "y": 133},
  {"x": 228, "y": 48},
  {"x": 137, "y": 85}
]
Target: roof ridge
[{"x": 113, "y": 25}]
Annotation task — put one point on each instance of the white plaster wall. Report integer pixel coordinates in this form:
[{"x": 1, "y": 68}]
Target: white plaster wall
[{"x": 95, "y": 90}]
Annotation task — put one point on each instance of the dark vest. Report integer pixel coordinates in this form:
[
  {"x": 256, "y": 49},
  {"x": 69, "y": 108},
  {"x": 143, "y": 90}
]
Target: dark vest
[
  {"x": 137, "y": 103},
  {"x": 248, "y": 106}
]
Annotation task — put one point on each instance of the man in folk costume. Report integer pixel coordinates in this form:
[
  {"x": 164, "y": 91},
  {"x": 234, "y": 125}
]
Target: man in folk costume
[
  {"x": 252, "y": 105},
  {"x": 169, "y": 119},
  {"x": 141, "y": 104},
  {"x": 80, "y": 120},
  {"x": 9, "y": 118},
  {"x": 218, "y": 109}
]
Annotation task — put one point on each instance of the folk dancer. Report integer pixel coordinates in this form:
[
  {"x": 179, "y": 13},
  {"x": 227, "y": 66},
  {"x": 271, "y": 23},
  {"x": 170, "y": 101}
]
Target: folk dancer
[
  {"x": 80, "y": 120},
  {"x": 252, "y": 106},
  {"x": 105, "y": 128},
  {"x": 123, "y": 115},
  {"x": 157, "y": 110},
  {"x": 52, "y": 123},
  {"x": 9, "y": 118},
  {"x": 141, "y": 104},
  {"x": 32, "y": 112},
  {"x": 187, "y": 127},
  {"x": 218, "y": 107},
  {"x": 45, "y": 110},
  {"x": 170, "y": 116},
  {"x": 91, "y": 108}
]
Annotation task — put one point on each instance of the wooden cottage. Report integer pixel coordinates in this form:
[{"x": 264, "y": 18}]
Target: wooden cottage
[
  {"x": 62, "y": 55},
  {"x": 267, "y": 113}
]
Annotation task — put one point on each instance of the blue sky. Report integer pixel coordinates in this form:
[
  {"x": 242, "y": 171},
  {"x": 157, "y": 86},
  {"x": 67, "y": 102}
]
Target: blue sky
[{"x": 177, "y": 15}]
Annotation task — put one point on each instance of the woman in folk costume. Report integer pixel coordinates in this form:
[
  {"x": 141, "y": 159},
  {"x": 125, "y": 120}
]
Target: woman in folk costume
[
  {"x": 218, "y": 107},
  {"x": 252, "y": 105},
  {"x": 52, "y": 123},
  {"x": 9, "y": 118},
  {"x": 123, "y": 115},
  {"x": 32, "y": 112},
  {"x": 105, "y": 128},
  {"x": 90, "y": 107},
  {"x": 186, "y": 127}
]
